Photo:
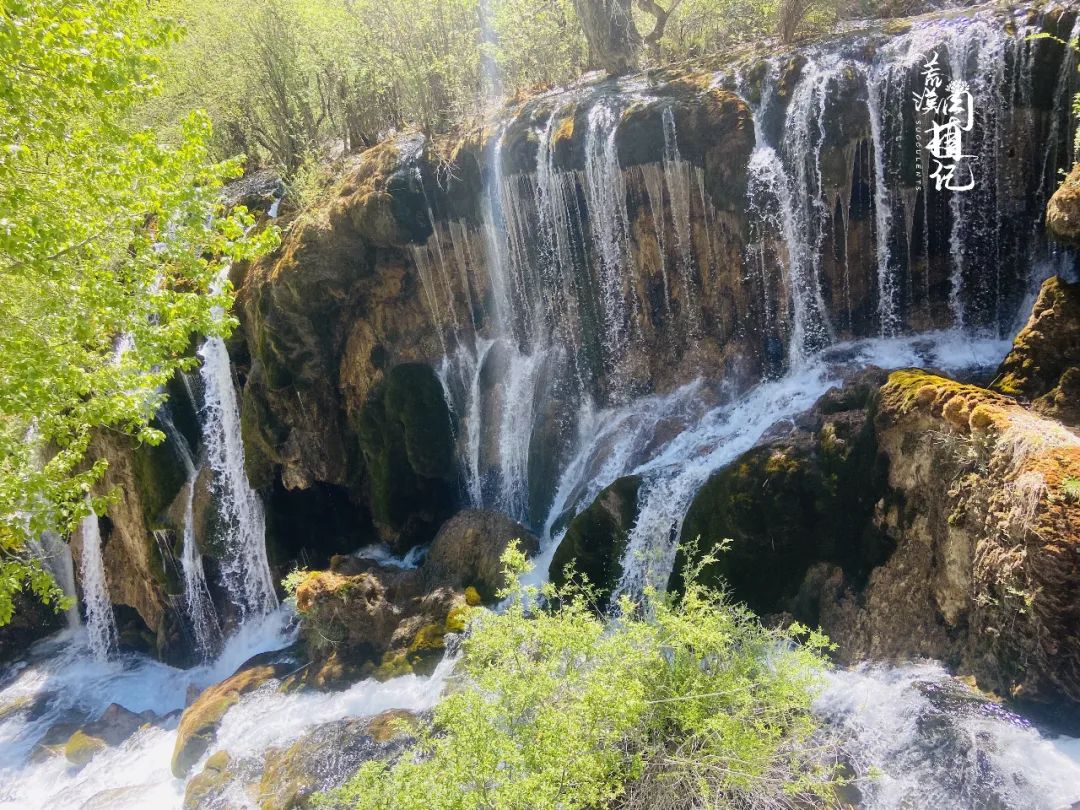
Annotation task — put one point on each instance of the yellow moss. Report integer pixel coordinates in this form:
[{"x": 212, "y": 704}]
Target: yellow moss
[
  {"x": 956, "y": 412},
  {"x": 457, "y": 618},
  {"x": 472, "y": 596},
  {"x": 986, "y": 417},
  {"x": 81, "y": 748},
  {"x": 391, "y": 724},
  {"x": 565, "y": 130},
  {"x": 217, "y": 761},
  {"x": 780, "y": 463},
  {"x": 428, "y": 639},
  {"x": 911, "y": 389}
]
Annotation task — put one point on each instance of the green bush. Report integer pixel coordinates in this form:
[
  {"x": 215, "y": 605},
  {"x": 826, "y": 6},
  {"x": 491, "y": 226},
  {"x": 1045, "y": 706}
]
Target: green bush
[{"x": 677, "y": 703}]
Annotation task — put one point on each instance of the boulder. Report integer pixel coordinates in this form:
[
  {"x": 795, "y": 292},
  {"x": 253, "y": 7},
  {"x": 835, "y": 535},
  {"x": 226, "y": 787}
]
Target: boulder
[
  {"x": 1063, "y": 210},
  {"x": 206, "y": 789},
  {"x": 200, "y": 721},
  {"x": 327, "y": 755},
  {"x": 802, "y": 496},
  {"x": 1044, "y": 364},
  {"x": 595, "y": 540},
  {"x": 468, "y": 550},
  {"x": 112, "y": 727},
  {"x": 81, "y": 748},
  {"x": 987, "y": 558},
  {"x": 362, "y": 619}
]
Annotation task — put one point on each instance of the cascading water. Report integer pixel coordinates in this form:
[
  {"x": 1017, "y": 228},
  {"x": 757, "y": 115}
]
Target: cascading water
[
  {"x": 199, "y": 607},
  {"x": 100, "y": 622},
  {"x": 56, "y": 555},
  {"x": 605, "y": 195},
  {"x": 244, "y": 566},
  {"x": 915, "y": 737},
  {"x": 784, "y": 197}
]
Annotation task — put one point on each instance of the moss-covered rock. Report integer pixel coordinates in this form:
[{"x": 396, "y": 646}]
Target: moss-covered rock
[
  {"x": 1044, "y": 364},
  {"x": 1063, "y": 210},
  {"x": 795, "y": 500},
  {"x": 986, "y": 565},
  {"x": 81, "y": 748},
  {"x": 206, "y": 788},
  {"x": 326, "y": 756},
  {"x": 361, "y": 620},
  {"x": 200, "y": 721},
  {"x": 595, "y": 540}
]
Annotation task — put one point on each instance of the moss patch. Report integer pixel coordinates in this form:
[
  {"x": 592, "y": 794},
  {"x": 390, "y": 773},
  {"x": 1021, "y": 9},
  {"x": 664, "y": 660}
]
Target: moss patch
[{"x": 81, "y": 748}]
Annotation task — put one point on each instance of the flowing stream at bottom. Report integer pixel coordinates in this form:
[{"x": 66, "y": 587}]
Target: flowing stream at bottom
[
  {"x": 916, "y": 737},
  {"x": 62, "y": 681}
]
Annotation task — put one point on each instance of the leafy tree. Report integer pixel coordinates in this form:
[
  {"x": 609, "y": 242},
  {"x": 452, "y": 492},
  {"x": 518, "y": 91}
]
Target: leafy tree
[
  {"x": 684, "y": 703},
  {"x": 110, "y": 245}
]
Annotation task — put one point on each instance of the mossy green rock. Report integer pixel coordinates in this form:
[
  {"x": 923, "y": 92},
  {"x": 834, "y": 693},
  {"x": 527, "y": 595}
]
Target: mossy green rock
[
  {"x": 1044, "y": 363},
  {"x": 327, "y": 756},
  {"x": 200, "y": 721},
  {"x": 81, "y": 748},
  {"x": 595, "y": 540},
  {"x": 205, "y": 788},
  {"x": 793, "y": 501}
]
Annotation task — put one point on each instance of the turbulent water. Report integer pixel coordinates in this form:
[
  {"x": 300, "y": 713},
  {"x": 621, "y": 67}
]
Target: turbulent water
[
  {"x": 551, "y": 408},
  {"x": 916, "y": 738}
]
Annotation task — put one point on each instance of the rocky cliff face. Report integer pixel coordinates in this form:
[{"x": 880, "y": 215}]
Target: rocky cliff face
[
  {"x": 986, "y": 567},
  {"x": 967, "y": 548},
  {"x": 624, "y": 237}
]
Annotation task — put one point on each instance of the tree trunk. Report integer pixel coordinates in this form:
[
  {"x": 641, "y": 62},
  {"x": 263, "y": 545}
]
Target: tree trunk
[{"x": 614, "y": 42}]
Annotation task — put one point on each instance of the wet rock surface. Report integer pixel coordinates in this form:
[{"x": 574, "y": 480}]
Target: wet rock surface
[
  {"x": 1044, "y": 364},
  {"x": 595, "y": 540},
  {"x": 200, "y": 721},
  {"x": 1063, "y": 211},
  {"x": 364, "y": 618},
  {"x": 966, "y": 552}
]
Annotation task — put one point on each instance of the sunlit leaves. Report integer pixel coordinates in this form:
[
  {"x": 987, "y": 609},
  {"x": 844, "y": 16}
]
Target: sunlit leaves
[
  {"x": 110, "y": 242},
  {"x": 557, "y": 708}
]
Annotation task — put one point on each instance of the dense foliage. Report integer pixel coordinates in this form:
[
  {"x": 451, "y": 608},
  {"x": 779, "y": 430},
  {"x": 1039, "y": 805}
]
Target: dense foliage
[
  {"x": 687, "y": 702},
  {"x": 293, "y": 82},
  {"x": 109, "y": 253}
]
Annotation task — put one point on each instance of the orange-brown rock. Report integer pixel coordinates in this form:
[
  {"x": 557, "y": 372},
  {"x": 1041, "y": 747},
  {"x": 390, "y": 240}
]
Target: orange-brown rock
[
  {"x": 1063, "y": 210},
  {"x": 1044, "y": 364},
  {"x": 200, "y": 721}
]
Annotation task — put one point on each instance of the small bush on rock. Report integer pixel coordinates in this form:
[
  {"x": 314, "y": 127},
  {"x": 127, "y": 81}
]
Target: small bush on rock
[{"x": 685, "y": 702}]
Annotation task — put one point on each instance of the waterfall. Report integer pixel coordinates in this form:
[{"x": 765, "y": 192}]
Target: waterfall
[
  {"x": 56, "y": 555},
  {"x": 244, "y": 567},
  {"x": 784, "y": 197},
  {"x": 677, "y": 181},
  {"x": 198, "y": 606},
  {"x": 553, "y": 372},
  {"x": 879, "y": 106},
  {"x": 609, "y": 225},
  {"x": 100, "y": 622}
]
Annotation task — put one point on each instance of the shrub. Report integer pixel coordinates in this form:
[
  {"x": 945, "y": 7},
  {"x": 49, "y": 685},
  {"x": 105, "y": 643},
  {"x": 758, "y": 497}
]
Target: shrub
[{"x": 684, "y": 702}]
